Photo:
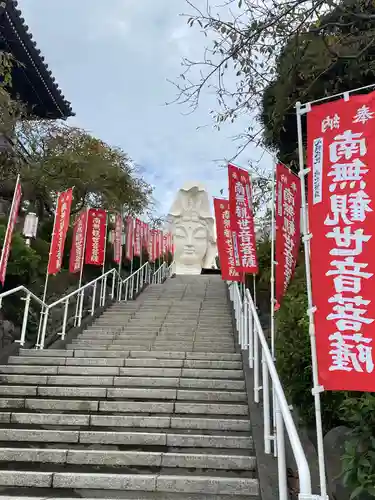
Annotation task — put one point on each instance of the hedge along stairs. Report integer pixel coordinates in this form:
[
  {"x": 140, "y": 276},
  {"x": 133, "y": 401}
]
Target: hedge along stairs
[{"x": 147, "y": 403}]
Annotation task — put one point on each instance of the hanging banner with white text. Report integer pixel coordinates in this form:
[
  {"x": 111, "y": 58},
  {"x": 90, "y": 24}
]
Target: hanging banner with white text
[
  {"x": 341, "y": 147},
  {"x": 242, "y": 220},
  {"x": 78, "y": 242},
  {"x": 225, "y": 241},
  {"x": 117, "y": 246},
  {"x": 96, "y": 237},
  {"x": 288, "y": 230},
  {"x": 129, "y": 242},
  {"x": 138, "y": 238},
  {"x": 60, "y": 228},
  {"x": 9, "y": 231}
]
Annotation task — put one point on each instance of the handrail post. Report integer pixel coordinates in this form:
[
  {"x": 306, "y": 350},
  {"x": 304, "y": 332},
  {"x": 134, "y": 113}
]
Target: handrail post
[
  {"x": 82, "y": 299},
  {"x": 256, "y": 364},
  {"x": 65, "y": 319},
  {"x": 266, "y": 407},
  {"x": 25, "y": 320},
  {"x": 126, "y": 290},
  {"x": 120, "y": 289},
  {"x": 113, "y": 284},
  {"x": 104, "y": 290},
  {"x": 93, "y": 299},
  {"x": 281, "y": 463},
  {"x": 250, "y": 324},
  {"x": 44, "y": 328}
]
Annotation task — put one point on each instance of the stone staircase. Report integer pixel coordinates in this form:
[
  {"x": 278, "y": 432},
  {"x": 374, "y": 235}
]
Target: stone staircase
[{"x": 148, "y": 403}]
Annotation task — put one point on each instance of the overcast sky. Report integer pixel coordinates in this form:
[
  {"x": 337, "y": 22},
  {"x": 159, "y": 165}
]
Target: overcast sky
[{"x": 112, "y": 61}]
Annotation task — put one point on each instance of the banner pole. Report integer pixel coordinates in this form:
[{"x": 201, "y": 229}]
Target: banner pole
[
  {"x": 6, "y": 236},
  {"x": 272, "y": 301},
  {"x": 47, "y": 275},
  {"x": 81, "y": 270},
  {"x": 317, "y": 389},
  {"x": 273, "y": 263},
  {"x": 120, "y": 263},
  {"x": 104, "y": 280}
]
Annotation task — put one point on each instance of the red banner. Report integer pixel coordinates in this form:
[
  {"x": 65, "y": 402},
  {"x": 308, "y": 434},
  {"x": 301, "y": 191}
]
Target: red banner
[
  {"x": 225, "y": 241},
  {"x": 145, "y": 231},
  {"x": 165, "y": 243},
  {"x": 242, "y": 220},
  {"x": 96, "y": 237},
  {"x": 341, "y": 143},
  {"x": 78, "y": 243},
  {"x": 117, "y": 247},
  {"x": 152, "y": 245},
  {"x": 129, "y": 238},
  {"x": 288, "y": 231},
  {"x": 9, "y": 231},
  {"x": 60, "y": 228},
  {"x": 138, "y": 238}
]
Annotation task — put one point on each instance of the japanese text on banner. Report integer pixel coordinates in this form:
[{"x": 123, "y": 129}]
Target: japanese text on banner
[
  {"x": 129, "y": 238},
  {"x": 287, "y": 218},
  {"x": 341, "y": 147},
  {"x": 9, "y": 233},
  {"x": 118, "y": 239},
  {"x": 96, "y": 237},
  {"x": 138, "y": 238},
  {"x": 242, "y": 220},
  {"x": 60, "y": 229},
  {"x": 78, "y": 242},
  {"x": 224, "y": 241}
]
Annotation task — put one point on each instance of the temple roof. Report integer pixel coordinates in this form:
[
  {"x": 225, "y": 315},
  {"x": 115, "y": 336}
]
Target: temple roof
[{"x": 32, "y": 81}]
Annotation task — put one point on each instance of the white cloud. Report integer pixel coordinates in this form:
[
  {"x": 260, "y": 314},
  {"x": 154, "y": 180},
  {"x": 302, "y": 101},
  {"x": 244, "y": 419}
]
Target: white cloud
[{"x": 112, "y": 62}]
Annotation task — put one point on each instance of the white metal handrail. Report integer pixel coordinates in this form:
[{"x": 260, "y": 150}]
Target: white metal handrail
[
  {"x": 160, "y": 274},
  {"x": 29, "y": 295},
  {"x": 135, "y": 281},
  {"x": 252, "y": 338}
]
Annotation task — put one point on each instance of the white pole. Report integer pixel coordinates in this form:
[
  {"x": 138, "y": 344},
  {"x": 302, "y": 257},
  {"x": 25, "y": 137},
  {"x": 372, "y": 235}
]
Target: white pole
[
  {"x": 272, "y": 304},
  {"x": 80, "y": 297},
  {"x": 120, "y": 266},
  {"x": 273, "y": 229},
  {"x": 104, "y": 280},
  {"x": 47, "y": 276},
  {"x": 254, "y": 289},
  {"x": 9, "y": 221},
  {"x": 317, "y": 389}
]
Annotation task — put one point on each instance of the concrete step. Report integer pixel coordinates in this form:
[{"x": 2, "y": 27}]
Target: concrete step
[
  {"x": 206, "y": 485},
  {"x": 111, "y": 458},
  {"x": 80, "y": 353},
  {"x": 148, "y": 403},
  {"x": 124, "y": 421},
  {"x": 77, "y": 387},
  {"x": 128, "y": 438}
]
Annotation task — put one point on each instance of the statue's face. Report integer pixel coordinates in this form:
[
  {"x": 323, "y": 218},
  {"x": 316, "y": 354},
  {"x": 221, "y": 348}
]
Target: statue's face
[{"x": 191, "y": 242}]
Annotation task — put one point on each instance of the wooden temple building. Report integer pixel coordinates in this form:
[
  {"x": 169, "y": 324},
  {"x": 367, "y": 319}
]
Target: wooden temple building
[
  {"x": 32, "y": 80},
  {"x": 32, "y": 83}
]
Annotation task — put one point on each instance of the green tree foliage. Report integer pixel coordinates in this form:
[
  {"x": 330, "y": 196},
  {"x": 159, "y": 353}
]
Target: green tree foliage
[
  {"x": 336, "y": 54},
  {"x": 59, "y": 156}
]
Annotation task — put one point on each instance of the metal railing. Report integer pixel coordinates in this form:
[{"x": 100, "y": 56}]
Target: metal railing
[
  {"x": 132, "y": 284},
  {"x": 162, "y": 273},
  {"x": 251, "y": 338},
  {"x": 83, "y": 301},
  {"x": 27, "y": 299}
]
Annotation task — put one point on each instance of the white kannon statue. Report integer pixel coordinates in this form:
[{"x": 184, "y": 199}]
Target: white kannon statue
[{"x": 192, "y": 226}]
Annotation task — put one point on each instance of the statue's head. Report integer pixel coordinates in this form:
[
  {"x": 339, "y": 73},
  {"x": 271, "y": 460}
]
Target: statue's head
[{"x": 193, "y": 228}]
